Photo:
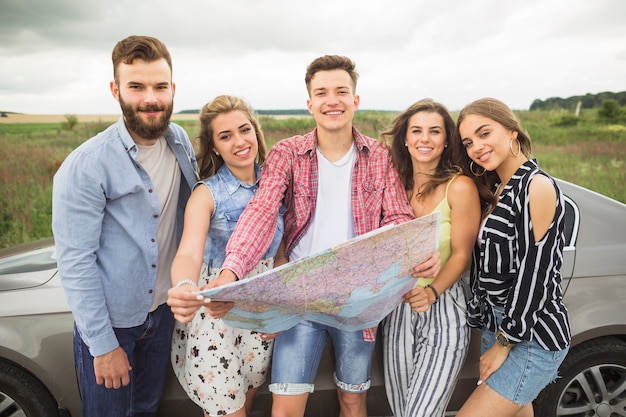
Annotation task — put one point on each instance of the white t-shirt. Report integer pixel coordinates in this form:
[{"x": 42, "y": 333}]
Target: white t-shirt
[{"x": 332, "y": 221}]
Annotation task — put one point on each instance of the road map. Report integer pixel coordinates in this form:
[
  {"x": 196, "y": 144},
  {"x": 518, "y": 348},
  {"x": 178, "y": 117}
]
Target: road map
[{"x": 351, "y": 286}]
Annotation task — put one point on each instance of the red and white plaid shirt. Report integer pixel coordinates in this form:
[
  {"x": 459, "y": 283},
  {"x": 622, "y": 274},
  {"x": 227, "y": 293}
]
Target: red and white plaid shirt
[{"x": 290, "y": 178}]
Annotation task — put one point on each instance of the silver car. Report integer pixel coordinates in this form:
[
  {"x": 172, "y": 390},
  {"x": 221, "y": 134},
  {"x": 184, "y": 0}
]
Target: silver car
[{"x": 38, "y": 379}]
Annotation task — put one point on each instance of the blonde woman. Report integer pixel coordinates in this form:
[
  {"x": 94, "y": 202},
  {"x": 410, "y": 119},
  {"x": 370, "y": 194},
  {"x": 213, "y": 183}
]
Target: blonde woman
[{"x": 219, "y": 366}]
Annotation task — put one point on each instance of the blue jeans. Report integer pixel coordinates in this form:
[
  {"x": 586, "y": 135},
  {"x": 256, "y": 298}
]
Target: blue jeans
[
  {"x": 297, "y": 354},
  {"x": 148, "y": 349}
]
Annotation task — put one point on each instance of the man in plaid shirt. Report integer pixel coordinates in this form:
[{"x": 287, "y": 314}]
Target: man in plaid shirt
[{"x": 335, "y": 184}]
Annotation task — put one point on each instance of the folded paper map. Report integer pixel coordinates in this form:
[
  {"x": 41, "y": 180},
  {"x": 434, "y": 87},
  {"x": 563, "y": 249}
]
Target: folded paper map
[{"x": 351, "y": 286}]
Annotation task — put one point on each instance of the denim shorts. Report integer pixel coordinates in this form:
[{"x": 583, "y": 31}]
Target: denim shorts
[
  {"x": 527, "y": 369},
  {"x": 297, "y": 354}
]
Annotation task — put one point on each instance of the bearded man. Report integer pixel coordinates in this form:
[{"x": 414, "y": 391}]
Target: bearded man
[{"x": 117, "y": 213}]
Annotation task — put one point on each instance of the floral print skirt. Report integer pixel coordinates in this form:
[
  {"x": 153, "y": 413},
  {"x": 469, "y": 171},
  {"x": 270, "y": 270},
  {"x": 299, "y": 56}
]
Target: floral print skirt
[{"x": 217, "y": 364}]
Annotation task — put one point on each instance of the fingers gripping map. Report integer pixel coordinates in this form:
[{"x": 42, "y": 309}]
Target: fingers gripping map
[{"x": 350, "y": 286}]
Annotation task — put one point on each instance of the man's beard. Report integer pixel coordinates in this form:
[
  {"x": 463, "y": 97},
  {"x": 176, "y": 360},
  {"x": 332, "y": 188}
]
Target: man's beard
[{"x": 151, "y": 130}]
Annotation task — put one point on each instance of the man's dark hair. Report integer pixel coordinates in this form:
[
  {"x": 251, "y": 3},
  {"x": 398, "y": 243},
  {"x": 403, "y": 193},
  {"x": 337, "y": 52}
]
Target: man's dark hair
[
  {"x": 144, "y": 48},
  {"x": 329, "y": 63}
]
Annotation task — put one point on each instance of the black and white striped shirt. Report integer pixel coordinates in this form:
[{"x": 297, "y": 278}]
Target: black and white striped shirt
[{"x": 512, "y": 271}]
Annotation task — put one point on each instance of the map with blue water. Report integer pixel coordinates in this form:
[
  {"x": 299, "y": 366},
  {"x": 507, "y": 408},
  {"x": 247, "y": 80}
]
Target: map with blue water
[{"x": 350, "y": 286}]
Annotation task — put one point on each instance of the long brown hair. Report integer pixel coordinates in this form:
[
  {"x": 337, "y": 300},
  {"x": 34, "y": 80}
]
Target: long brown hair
[
  {"x": 500, "y": 113},
  {"x": 208, "y": 161},
  {"x": 396, "y": 134}
]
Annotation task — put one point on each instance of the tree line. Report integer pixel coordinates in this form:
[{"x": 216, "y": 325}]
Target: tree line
[{"x": 588, "y": 101}]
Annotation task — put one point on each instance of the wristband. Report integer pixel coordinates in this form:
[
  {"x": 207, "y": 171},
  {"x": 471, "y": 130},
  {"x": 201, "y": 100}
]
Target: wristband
[
  {"x": 185, "y": 281},
  {"x": 434, "y": 292}
]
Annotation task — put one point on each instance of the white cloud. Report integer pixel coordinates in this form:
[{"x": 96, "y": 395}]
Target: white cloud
[{"x": 56, "y": 54}]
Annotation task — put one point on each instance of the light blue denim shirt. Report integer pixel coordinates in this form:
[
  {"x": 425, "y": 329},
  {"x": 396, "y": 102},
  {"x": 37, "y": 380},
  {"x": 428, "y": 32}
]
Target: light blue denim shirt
[
  {"x": 104, "y": 220},
  {"x": 231, "y": 196}
]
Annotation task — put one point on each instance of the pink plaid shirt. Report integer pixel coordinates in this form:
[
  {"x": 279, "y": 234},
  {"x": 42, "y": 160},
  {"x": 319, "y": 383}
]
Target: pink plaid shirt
[{"x": 290, "y": 178}]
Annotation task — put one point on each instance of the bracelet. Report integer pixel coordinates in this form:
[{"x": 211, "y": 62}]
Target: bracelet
[
  {"x": 185, "y": 281},
  {"x": 434, "y": 292}
]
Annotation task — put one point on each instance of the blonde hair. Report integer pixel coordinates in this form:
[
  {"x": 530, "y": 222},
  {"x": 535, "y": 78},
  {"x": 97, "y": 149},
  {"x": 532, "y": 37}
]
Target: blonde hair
[{"x": 209, "y": 162}]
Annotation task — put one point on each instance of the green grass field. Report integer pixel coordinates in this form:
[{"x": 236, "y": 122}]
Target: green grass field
[{"x": 589, "y": 153}]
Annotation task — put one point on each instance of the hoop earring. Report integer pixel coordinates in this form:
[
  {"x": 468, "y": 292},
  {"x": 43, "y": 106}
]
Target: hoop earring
[
  {"x": 519, "y": 147},
  {"x": 471, "y": 167}
]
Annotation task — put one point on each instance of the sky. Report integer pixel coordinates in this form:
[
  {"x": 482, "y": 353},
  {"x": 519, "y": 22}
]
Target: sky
[{"x": 55, "y": 55}]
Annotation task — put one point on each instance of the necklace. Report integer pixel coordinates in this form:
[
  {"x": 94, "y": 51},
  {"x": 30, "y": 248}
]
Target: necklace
[
  {"x": 499, "y": 190},
  {"x": 343, "y": 160}
]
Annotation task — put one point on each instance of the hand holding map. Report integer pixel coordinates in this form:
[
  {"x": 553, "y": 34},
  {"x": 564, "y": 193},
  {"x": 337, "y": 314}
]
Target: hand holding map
[{"x": 350, "y": 286}]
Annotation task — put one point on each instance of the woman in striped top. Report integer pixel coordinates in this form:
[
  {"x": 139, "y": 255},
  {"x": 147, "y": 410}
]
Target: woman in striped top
[{"x": 517, "y": 298}]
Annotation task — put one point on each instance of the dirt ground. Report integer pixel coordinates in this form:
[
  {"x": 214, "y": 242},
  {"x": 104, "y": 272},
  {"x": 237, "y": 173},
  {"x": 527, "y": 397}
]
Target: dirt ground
[{"x": 82, "y": 118}]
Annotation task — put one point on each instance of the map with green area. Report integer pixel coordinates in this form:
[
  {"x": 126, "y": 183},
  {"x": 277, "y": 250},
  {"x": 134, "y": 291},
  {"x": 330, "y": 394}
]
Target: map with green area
[{"x": 350, "y": 286}]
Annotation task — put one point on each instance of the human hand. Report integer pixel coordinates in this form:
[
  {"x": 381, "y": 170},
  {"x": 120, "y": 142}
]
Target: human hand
[
  {"x": 429, "y": 268},
  {"x": 491, "y": 361},
  {"x": 218, "y": 309},
  {"x": 419, "y": 300},
  {"x": 268, "y": 336},
  {"x": 184, "y": 302},
  {"x": 112, "y": 369},
  {"x": 226, "y": 276}
]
